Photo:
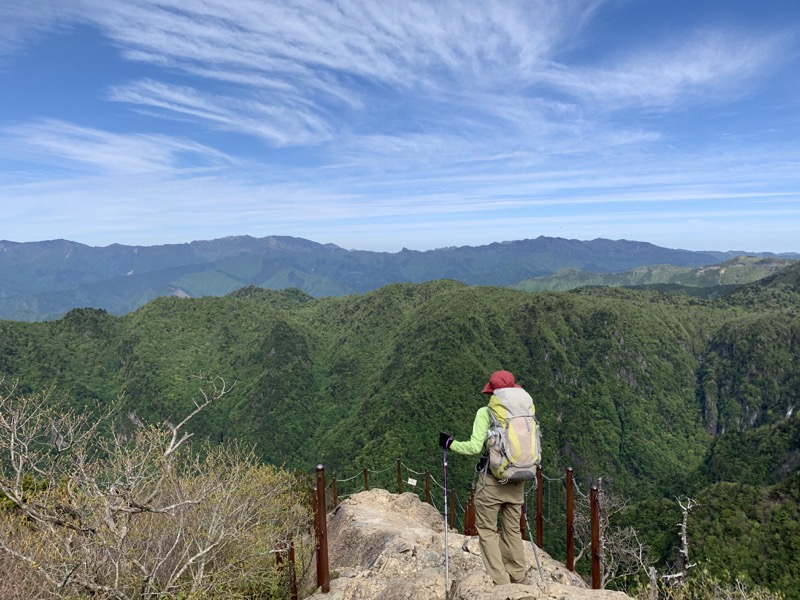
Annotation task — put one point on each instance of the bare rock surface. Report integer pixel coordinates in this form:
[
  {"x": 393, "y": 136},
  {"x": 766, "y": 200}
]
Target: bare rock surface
[{"x": 390, "y": 546}]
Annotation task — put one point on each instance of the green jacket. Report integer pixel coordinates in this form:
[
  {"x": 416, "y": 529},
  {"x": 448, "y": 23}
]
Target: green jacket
[{"x": 480, "y": 427}]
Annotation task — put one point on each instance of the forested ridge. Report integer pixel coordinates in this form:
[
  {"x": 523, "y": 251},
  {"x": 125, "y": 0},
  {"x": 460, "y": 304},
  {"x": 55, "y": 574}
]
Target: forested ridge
[
  {"x": 44, "y": 280},
  {"x": 659, "y": 395}
]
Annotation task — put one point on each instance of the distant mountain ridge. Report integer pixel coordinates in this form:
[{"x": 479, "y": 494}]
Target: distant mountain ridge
[
  {"x": 730, "y": 273},
  {"x": 44, "y": 280}
]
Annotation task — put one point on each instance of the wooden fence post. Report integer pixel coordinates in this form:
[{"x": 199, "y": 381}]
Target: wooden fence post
[
  {"x": 539, "y": 508},
  {"x": 469, "y": 514},
  {"x": 315, "y": 508},
  {"x": 596, "y": 574},
  {"x": 335, "y": 493},
  {"x": 366, "y": 480},
  {"x": 522, "y": 519},
  {"x": 570, "y": 520},
  {"x": 323, "y": 567},
  {"x": 399, "y": 477}
]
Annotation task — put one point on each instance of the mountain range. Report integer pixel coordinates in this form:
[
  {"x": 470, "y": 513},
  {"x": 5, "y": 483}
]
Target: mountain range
[{"x": 44, "y": 280}]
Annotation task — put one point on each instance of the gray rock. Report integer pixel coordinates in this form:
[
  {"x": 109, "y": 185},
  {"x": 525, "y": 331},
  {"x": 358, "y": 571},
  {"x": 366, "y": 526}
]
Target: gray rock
[{"x": 389, "y": 546}]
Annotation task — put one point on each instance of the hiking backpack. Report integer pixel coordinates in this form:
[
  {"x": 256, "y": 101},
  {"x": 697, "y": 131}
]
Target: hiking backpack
[{"x": 513, "y": 442}]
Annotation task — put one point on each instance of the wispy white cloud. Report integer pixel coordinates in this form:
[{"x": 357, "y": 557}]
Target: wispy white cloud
[
  {"x": 408, "y": 43},
  {"x": 584, "y": 200},
  {"x": 22, "y": 22},
  {"x": 279, "y": 124},
  {"x": 65, "y": 144},
  {"x": 707, "y": 66},
  {"x": 296, "y": 66},
  {"x": 307, "y": 72}
]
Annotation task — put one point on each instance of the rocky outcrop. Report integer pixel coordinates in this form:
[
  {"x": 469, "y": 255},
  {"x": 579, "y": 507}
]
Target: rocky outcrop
[{"x": 390, "y": 546}]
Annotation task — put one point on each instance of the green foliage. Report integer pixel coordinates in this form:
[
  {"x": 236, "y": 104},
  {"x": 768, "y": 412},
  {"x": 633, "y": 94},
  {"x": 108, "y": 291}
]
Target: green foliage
[
  {"x": 703, "y": 585},
  {"x": 285, "y": 298},
  {"x": 658, "y": 517},
  {"x": 778, "y": 291},
  {"x": 764, "y": 455},
  {"x": 750, "y": 534},
  {"x": 751, "y": 372}
]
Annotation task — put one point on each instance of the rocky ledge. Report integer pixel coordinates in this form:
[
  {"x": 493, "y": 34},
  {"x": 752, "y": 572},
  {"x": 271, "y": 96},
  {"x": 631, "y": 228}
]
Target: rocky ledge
[{"x": 391, "y": 547}]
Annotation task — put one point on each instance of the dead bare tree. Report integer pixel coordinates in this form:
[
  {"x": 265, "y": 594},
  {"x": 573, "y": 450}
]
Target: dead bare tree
[
  {"x": 684, "y": 584},
  {"x": 683, "y": 564},
  {"x": 138, "y": 515}
]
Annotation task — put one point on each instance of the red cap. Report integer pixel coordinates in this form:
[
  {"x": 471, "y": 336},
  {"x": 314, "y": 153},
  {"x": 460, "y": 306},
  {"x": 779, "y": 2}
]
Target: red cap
[{"x": 499, "y": 379}]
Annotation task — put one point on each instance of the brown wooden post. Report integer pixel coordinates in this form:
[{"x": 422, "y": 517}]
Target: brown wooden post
[
  {"x": 595, "y": 504},
  {"x": 399, "y": 477},
  {"x": 292, "y": 572},
  {"x": 570, "y": 520},
  {"x": 335, "y": 493},
  {"x": 522, "y": 519},
  {"x": 469, "y": 514},
  {"x": 323, "y": 566},
  {"x": 539, "y": 508},
  {"x": 315, "y": 507},
  {"x": 427, "y": 486},
  {"x": 366, "y": 480}
]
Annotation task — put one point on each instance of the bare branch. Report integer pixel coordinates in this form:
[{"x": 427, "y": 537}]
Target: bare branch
[
  {"x": 124, "y": 516},
  {"x": 219, "y": 390}
]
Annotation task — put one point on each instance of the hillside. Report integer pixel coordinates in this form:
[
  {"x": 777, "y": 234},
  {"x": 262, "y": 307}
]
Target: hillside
[
  {"x": 717, "y": 279},
  {"x": 44, "y": 280},
  {"x": 659, "y": 395}
]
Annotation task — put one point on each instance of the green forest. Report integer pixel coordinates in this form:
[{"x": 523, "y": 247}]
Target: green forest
[{"x": 660, "y": 395}]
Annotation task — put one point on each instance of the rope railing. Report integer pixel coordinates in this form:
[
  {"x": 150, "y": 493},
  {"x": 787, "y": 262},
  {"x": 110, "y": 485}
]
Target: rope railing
[{"x": 565, "y": 482}]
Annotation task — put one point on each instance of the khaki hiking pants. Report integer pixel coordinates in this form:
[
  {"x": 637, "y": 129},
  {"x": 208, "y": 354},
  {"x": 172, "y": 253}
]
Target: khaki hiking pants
[{"x": 503, "y": 554}]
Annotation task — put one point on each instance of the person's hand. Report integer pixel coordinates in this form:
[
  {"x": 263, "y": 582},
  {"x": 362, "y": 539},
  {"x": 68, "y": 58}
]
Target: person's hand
[{"x": 445, "y": 439}]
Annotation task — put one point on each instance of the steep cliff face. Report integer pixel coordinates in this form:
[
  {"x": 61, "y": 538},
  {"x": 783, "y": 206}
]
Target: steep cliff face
[{"x": 390, "y": 546}]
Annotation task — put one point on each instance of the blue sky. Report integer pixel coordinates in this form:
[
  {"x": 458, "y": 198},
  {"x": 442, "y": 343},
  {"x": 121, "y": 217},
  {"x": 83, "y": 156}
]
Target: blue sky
[{"x": 383, "y": 124}]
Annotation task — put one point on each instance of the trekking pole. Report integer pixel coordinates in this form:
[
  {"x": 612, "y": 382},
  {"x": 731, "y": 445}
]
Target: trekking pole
[
  {"x": 446, "y": 553},
  {"x": 530, "y": 536}
]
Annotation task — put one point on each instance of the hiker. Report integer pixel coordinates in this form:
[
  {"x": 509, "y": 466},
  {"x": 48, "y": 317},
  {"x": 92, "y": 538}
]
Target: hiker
[{"x": 503, "y": 554}]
